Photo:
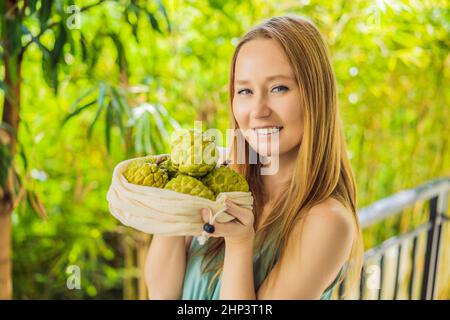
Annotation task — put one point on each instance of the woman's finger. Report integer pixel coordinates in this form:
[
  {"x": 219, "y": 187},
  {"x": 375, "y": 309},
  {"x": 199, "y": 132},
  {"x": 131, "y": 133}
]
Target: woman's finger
[
  {"x": 245, "y": 216},
  {"x": 204, "y": 214},
  {"x": 226, "y": 229}
]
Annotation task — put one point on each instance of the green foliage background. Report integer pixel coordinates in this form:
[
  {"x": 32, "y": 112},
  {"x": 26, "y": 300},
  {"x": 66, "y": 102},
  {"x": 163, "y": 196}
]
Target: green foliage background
[{"x": 392, "y": 65}]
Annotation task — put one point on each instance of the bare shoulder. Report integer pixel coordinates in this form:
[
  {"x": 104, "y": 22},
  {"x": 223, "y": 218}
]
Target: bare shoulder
[
  {"x": 328, "y": 219},
  {"x": 326, "y": 236},
  {"x": 333, "y": 212}
]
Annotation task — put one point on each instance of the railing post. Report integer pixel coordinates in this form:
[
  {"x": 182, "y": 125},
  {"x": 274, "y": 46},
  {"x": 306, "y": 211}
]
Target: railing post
[
  {"x": 442, "y": 212},
  {"x": 432, "y": 249}
]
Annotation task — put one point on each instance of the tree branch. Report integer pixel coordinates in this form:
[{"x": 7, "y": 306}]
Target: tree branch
[{"x": 92, "y": 5}]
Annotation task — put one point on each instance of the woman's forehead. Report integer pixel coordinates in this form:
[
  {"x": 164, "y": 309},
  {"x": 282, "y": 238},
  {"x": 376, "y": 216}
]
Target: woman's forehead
[{"x": 261, "y": 58}]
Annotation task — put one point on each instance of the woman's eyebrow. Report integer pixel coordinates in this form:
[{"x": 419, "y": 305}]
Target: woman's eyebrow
[{"x": 270, "y": 78}]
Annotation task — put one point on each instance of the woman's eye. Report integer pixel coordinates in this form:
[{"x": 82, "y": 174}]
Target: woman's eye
[
  {"x": 281, "y": 88},
  {"x": 243, "y": 90}
]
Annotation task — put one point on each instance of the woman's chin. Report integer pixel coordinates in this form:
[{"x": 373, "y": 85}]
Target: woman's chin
[
  {"x": 265, "y": 150},
  {"x": 265, "y": 146}
]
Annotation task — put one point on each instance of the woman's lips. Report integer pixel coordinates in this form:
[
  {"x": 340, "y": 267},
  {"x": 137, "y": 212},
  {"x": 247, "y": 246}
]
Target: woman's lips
[{"x": 267, "y": 131}]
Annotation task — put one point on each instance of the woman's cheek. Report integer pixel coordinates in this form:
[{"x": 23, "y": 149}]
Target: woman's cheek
[
  {"x": 241, "y": 116},
  {"x": 295, "y": 134}
]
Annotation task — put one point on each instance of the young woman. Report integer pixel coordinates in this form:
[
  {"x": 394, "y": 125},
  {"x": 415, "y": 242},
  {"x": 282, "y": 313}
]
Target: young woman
[{"x": 303, "y": 235}]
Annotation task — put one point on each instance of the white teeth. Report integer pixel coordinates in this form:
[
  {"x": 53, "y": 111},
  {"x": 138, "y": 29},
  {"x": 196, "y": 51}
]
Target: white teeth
[{"x": 266, "y": 131}]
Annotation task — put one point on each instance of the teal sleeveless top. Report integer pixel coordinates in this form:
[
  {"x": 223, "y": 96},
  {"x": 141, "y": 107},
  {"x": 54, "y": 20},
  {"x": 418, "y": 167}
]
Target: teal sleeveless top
[{"x": 195, "y": 286}]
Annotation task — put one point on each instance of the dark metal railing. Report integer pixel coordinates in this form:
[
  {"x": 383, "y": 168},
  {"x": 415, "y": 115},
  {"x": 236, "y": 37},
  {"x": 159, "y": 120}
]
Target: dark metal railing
[{"x": 436, "y": 194}]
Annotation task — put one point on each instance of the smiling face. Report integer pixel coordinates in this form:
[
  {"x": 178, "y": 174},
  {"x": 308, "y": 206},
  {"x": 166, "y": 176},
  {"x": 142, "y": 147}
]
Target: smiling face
[{"x": 266, "y": 100}]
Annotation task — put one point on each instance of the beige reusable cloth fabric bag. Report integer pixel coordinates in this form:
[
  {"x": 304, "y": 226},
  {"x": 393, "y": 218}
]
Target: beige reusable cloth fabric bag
[{"x": 166, "y": 212}]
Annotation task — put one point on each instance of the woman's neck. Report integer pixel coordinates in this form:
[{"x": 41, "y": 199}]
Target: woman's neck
[{"x": 273, "y": 183}]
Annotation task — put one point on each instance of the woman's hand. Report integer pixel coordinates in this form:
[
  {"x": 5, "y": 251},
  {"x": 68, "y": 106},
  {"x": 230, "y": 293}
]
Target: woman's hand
[{"x": 239, "y": 230}]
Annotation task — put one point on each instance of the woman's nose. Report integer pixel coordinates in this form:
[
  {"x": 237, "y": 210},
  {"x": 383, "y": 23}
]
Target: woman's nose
[{"x": 261, "y": 108}]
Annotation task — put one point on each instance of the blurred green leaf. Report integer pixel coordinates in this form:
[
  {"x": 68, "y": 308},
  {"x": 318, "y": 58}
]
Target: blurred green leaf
[
  {"x": 77, "y": 111},
  {"x": 13, "y": 28},
  {"x": 154, "y": 23},
  {"x": 108, "y": 125},
  {"x": 45, "y": 12},
  {"x": 32, "y": 6},
  {"x": 101, "y": 106},
  {"x": 121, "y": 57},
  {"x": 84, "y": 50},
  {"x": 163, "y": 10}
]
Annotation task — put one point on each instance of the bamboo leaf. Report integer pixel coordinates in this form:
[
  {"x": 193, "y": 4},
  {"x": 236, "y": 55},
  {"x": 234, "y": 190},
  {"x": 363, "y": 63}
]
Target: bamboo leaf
[
  {"x": 154, "y": 23},
  {"x": 97, "y": 116},
  {"x": 133, "y": 9},
  {"x": 138, "y": 137},
  {"x": 32, "y": 6},
  {"x": 61, "y": 39},
  {"x": 44, "y": 13},
  {"x": 101, "y": 95},
  {"x": 72, "y": 45},
  {"x": 160, "y": 123},
  {"x": 56, "y": 56},
  {"x": 121, "y": 57},
  {"x": 95, "y": 49},
  {"x": 162, "y": 9},
  {"x": 23, "y": 156},
  {"x": 148, "y": 146},
  {"x": 76, "y": 112},
  {"x": 156, "y": 137},
  {"x": 101, "y": 105},
  {"x": 108, "y": 125},
  {"x": 121, "y": 102},
  {"x": 174, "y": 124},
  {"x": 47, "y": 70},
  {"x": 60, "y": 7},
  {"x": 79, "y": 99},
  {"x": 118, "y": 114},
  {"x": 13, "y": 28},
  {"x": 84, "y": 51}
]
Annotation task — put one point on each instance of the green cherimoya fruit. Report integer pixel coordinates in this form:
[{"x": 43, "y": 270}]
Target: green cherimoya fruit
[
  {"x": 194, "y": 153},
  {"x": 170, "y": 167},
  {"x": 189, "y": 185},
  {"x": 147, "y": 159},
  {"x": 146, "y": 174},
  {"x": 225, "y": 179}
]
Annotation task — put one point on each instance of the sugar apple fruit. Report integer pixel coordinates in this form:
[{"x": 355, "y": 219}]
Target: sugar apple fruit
[
  {"x": 147, "y": 159},
  {"x": 170, "y": 167},
  {"x": 189, "y": 185},
  {"x": 146, "y": 174},
  {"x": 194, "y": 153},
  {"x": 225, "y": 179}
]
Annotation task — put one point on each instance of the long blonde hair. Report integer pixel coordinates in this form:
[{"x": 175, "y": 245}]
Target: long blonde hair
[{"x": 322, "y": 169}]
